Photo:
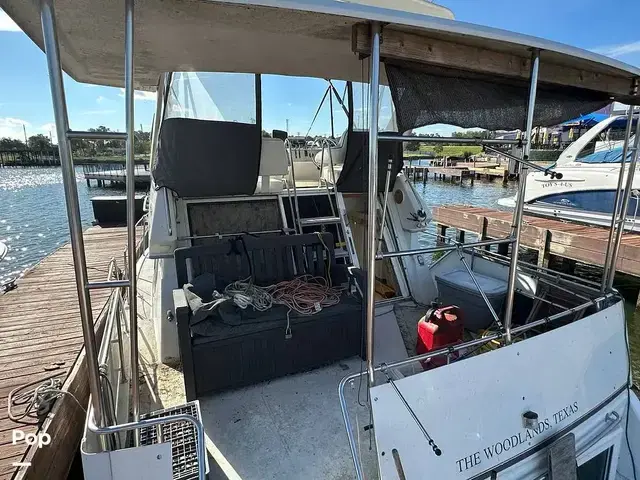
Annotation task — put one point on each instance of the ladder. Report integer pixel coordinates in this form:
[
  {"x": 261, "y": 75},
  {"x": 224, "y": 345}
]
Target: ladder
[{"x": 338, "y": 214}]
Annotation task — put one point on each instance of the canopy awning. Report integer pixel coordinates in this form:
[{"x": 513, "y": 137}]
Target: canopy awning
[
  {"x": 314, "y": 38},
  {"x": 592, "y": 119}
]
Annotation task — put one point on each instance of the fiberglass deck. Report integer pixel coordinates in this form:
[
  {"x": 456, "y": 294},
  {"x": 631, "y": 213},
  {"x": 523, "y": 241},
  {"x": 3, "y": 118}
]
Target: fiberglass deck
[{"x": 40, "y": 335}]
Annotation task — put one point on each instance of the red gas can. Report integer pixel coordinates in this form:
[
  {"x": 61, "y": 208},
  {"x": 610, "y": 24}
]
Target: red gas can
[{"x": 439, "y": 328}]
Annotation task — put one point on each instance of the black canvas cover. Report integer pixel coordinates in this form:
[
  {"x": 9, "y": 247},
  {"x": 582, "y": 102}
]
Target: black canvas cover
[
  {"x": 426, "y": 95},
  {"x": 202, "y": 158},
  {"x": 354, "y": 177}
]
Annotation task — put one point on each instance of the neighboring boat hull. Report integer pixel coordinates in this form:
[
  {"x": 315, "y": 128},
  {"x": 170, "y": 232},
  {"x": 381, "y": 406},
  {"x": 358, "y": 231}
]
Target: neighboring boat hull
[{"x": 585, "y": 194}]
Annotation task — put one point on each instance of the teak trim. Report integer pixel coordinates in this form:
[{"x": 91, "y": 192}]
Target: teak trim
[{"x": 417, "y": 48}]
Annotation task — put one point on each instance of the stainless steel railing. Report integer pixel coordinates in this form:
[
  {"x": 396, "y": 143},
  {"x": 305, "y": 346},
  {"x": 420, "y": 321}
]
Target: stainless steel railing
[{"x": 446, "y": 352}]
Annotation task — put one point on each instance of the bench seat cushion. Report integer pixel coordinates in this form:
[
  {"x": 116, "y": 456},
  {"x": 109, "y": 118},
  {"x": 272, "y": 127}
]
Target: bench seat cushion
[
  {"x": 238, "y": 356},
  {"x": 231, "y": 321}
]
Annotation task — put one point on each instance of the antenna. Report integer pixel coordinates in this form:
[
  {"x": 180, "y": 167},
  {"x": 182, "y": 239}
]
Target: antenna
[
  {"x": 287, "y": 126},
  {"x": 24, "y": 129}
]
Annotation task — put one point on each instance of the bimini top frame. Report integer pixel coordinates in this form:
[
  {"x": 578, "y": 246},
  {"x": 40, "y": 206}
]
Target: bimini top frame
[{"x": 255, "y": 36}]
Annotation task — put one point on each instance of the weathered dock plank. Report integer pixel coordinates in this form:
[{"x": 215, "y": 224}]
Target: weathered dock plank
[
  {"x": 40, "y": 330},
  {"x": 586, "y": 244}
]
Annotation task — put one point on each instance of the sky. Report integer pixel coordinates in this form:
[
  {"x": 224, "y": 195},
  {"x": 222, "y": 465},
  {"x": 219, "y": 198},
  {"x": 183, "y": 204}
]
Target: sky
[{"x": 25, "y": 96}]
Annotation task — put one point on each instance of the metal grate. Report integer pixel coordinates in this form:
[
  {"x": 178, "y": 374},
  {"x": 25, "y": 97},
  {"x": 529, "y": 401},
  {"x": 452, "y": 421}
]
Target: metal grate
[{"x": 182, "y": 436}]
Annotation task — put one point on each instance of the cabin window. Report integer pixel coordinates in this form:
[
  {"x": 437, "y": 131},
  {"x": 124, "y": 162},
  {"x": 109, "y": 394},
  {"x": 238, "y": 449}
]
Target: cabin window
[
  {"x": 597, "y": 468},
  {"x": 226, "y": 97}
]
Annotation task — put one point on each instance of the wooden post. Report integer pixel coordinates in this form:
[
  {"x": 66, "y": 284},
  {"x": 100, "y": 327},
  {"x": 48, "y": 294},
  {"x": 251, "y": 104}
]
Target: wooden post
[
  {"x": 460, "y": 236},
  {"x": 505, "y": 176},
  {"x": 473, "y": 177},
  {"x": 442, "y": 231},
  {"x": 543, "y": 252},
  {"x": 425, "y": 175}
]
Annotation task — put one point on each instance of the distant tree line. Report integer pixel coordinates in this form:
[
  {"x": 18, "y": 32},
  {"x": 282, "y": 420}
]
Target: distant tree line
[
  {"x": 81, "y": 147},
  {"x": 437, "y": 148}
]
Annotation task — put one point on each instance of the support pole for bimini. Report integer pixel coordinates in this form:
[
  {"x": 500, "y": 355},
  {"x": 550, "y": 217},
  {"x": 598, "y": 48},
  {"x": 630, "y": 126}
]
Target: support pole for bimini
[
  {"x": 131, "y": 209},
  {"x": 50, "y": 38},
  {"x": 626, "y": 194},
  {"x": 517, "y": 213},
  {"x": 616, "y": 202},
  {"x": 372, "y": 194}
]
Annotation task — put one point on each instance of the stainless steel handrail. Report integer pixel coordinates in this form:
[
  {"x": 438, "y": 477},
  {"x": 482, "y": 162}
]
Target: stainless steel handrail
[
  {"x": 625, "y": 203},
  {"x": 149, "y": 422},
  {"x": 443, "y": 248},
  {"x": 455, "y": 140},
  {"x": 519, "y": 208},
  {"x": 443, "y": 352},
  {"x": 372, "y": 198},
  {"x": 616, "y": 202},
  {"x": 295, "y": 215}
]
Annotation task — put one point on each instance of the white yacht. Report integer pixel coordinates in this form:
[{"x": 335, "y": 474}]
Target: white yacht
[
  {"x": 294, "y": 331},
  {"x": 590, "y": 169}
]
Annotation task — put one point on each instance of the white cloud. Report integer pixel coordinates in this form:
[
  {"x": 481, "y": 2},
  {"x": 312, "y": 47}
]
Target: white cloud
[
  {"x": 12, "y": 127},
  {"x": 618, "y": 50},
  {"x": 101, "y": 99},
  {"x": 6, "y": 24},
  {"x": 141, "y": 95}
]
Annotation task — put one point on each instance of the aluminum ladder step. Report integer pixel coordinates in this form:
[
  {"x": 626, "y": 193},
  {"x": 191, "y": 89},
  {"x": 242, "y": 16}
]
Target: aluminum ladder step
[{"x": 307, "y": 222}]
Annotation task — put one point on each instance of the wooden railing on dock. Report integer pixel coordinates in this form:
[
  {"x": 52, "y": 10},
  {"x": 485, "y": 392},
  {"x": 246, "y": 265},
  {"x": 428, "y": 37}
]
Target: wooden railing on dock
[
  {"x": 41, "y": 335},
  {"x": 454, "y": 174},
  {"x": 585, "y": 244}
]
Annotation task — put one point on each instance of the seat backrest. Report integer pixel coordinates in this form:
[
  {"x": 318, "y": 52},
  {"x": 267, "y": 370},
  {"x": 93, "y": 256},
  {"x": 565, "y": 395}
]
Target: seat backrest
[
  {"x": 202, "y": 158},
  {"x": 278, "y": 258},
  {"x": 268, "y": 259},
  {"x": 354, "y": 176},
  {"x": 225, "y": 258},
  {"x": 273, "y": 157}
]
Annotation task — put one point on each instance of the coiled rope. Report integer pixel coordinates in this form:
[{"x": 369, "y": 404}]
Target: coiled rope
[
  {"x": 306, "y": 294},
  {"x": 37, "y": 402},
  {"x": 245, "y": 293}
]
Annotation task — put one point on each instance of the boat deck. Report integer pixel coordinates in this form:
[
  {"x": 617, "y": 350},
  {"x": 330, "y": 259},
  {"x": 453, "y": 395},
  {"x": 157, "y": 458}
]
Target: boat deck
[
  {"x": 582, "y": 243},
  {"x": 41, "y": 335}
]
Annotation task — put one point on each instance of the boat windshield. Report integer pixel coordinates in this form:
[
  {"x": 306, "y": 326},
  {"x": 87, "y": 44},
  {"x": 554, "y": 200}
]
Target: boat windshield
[
  {"x": 613, "y": 155},
  {"x": 231, "y": 97},
  {"x": 228, "y": 97}
]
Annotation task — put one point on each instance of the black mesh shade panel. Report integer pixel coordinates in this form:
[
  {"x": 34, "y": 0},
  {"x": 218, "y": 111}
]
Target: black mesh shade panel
[
  {"x": 425, "y": 95},
  {"x": 354, "y": 177},
  {"x": 202, "y": 158}
]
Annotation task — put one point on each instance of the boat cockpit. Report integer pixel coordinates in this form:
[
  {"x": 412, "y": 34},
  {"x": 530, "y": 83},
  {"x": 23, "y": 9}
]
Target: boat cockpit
[{"x": 287, "y": 290}]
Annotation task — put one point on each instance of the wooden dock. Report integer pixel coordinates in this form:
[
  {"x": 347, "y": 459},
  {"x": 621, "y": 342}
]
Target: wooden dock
[
  {"x": 455, "y": 174},
  {"x": 41, "y": 335},
  {"x": 107, "y": 174},
  {"x": 585, "y": 244}
]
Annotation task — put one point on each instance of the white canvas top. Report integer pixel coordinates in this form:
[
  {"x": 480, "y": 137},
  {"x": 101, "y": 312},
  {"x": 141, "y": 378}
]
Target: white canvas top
[{"x": 289, "y": 37}]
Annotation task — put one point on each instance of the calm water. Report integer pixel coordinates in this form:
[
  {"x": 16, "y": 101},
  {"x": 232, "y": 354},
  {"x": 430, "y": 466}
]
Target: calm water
[
  {"x": 33, "y": 221},
  {"x": 33, "y": 218}
]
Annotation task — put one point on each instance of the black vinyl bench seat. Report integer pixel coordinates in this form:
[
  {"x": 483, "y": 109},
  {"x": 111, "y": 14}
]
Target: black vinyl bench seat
[{"x": 255, "y": 348}]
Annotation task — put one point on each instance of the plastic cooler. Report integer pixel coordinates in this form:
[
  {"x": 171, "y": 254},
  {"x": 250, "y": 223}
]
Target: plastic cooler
[{"x": 457, "y": 288}]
